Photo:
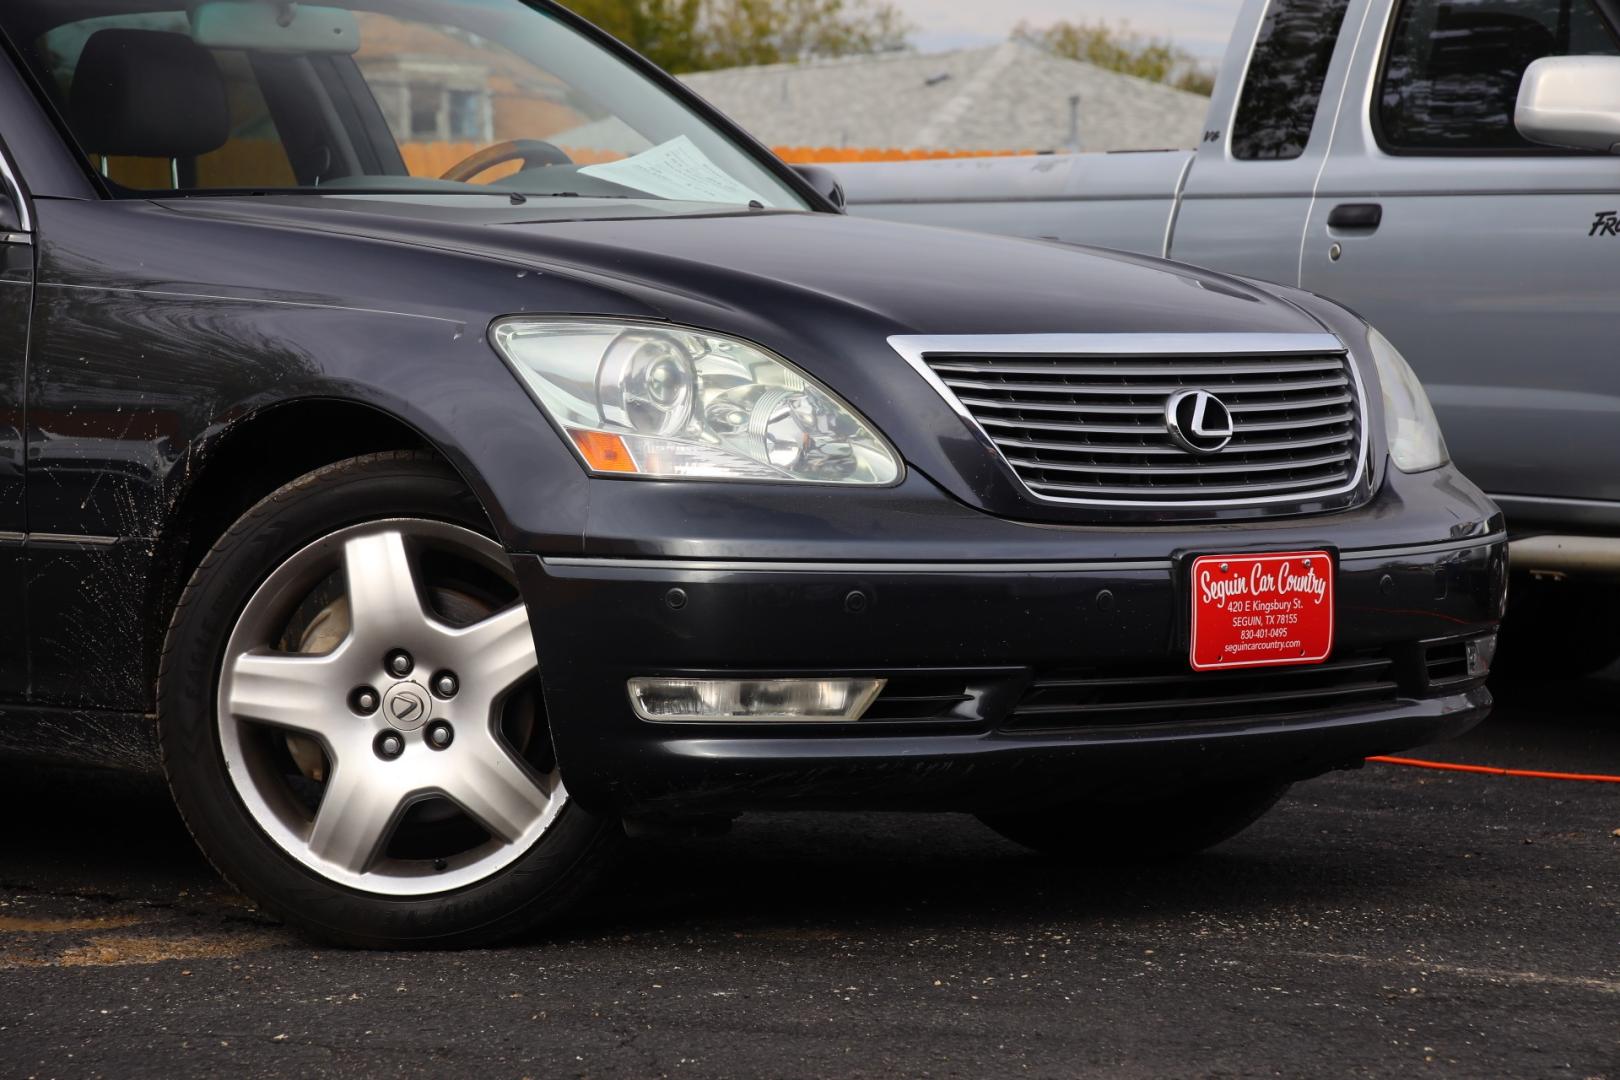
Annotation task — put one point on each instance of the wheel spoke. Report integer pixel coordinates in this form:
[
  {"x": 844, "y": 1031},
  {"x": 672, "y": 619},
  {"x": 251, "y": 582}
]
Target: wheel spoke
[
  {"x": 286, "y": 690},
  {"x": 490, "y": 785},
  {"x": 496, "y": 653},
  {"x": 383, "y": 599},
  {"x": 356, "y": 817}
]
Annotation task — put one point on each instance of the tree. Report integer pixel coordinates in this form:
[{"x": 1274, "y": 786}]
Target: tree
[
  {"x": 774, "y": 31},
  {"x": 664, "y": 31},
  {"x": 1117, "y": 48},
  {"x": 701, "y": 35}
]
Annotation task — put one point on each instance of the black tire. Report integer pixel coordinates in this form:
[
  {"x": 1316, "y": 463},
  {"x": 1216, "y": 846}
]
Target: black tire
[
  {"x": 1558, "y": 630},
  {"x": 537, "y": 886},
  {"x": 1143, "y": 832}
]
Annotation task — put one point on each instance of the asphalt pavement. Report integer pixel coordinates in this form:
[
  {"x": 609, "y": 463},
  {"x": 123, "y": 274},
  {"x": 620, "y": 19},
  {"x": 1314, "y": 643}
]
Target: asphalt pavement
[{"x": 1384, "y": 922}]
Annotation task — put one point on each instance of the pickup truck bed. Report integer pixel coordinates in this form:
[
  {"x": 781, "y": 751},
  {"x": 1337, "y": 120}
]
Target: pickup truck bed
[{"x": 1121, "y": 200}]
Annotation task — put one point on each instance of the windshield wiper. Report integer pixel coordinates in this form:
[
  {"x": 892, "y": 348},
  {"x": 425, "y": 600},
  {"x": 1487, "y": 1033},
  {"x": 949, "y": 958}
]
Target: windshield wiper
[{"x": 520, "y": 197}]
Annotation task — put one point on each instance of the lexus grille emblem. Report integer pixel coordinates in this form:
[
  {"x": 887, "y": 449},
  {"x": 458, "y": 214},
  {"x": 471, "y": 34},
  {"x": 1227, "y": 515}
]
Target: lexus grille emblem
[{"x": 1198, "y": 421}]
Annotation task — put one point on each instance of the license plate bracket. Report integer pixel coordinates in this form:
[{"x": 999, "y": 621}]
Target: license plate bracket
[{"x": 1261, "y": 610}]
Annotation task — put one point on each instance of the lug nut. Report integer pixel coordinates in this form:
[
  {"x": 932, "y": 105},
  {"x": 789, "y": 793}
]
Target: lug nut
[
  {"x": 440, "y": 735},
  {"x": 399, "y": 663},
  {"x": 364, "y": 700},
  {"x": 445, "y": 684},
  {"x": 390, "y": 745}
]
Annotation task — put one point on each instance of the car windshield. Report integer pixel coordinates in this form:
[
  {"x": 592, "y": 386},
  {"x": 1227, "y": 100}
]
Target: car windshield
[{"x": 419, "y": 97}]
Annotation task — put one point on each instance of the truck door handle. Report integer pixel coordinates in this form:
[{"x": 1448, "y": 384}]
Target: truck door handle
[{"x": 1359, "y": 217}]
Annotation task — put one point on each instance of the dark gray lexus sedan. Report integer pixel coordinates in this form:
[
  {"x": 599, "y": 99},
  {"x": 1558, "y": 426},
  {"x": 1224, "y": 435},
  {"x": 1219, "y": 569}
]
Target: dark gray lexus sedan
[{"x": 443, "y": 443}]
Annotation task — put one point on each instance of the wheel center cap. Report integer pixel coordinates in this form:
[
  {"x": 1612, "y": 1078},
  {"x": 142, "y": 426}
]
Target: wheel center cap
[{"x": 407, "y": 706}]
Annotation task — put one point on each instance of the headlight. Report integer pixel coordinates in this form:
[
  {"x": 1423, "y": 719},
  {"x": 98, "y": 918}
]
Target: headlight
[
  {"x": 1415, "y": 442},
  {"x": 667, "y": 402}
]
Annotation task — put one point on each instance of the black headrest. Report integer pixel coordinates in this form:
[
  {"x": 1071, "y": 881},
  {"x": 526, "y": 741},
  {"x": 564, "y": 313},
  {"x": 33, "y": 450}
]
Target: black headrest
[{"x": 146, "y": 93}]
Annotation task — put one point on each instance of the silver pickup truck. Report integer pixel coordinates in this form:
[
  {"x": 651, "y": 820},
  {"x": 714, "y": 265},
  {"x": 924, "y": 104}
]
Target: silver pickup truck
[{"x": 1446, "y": 168}]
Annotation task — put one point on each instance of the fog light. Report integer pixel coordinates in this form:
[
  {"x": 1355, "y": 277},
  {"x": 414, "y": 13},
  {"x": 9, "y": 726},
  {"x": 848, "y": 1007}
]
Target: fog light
[
  {"x": 1481, "y": 651},
  {"x": 753, "y": 701}
]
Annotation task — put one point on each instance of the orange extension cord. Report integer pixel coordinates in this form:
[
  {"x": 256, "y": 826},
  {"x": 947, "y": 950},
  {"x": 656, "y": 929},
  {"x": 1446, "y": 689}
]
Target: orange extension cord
[{"x": 1489, "y": 770}]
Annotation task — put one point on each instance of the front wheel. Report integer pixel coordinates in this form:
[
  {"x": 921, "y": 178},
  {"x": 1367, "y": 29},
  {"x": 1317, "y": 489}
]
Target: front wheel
[
  {"x": 1137, "y": 832},
  {"x": 351, "y": 721}
]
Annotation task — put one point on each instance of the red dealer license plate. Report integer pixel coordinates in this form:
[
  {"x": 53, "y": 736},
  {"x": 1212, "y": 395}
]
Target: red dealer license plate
[{"x": 1261, "y": 610}]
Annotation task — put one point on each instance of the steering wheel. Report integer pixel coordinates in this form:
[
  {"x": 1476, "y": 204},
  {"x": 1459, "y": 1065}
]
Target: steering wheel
[{"x": 531, "y": 152}]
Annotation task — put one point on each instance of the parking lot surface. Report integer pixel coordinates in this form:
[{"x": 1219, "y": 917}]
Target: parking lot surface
[{"x": 1389, "y": 921}]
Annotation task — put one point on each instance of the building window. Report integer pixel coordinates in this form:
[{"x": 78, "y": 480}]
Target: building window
[
  {"x": 467, "y": 116},
  {"x": 426, "y": 100}
]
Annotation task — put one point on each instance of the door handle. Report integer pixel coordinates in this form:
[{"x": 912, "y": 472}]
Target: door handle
[{"x": 1356, "y": 217}]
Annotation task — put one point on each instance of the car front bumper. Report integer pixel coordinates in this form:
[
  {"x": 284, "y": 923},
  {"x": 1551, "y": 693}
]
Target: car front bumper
[{"x": 1009, "y": 683}]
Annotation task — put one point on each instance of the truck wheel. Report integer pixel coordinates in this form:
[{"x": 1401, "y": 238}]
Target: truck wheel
[
  {"x": 1142, "y": 832},
  {"x": 1558, "y": 630},
  {"x": 350, "y": 719}
]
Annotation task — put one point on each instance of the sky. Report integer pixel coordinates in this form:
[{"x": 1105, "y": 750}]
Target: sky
[{"x": 1200, "y": 26}]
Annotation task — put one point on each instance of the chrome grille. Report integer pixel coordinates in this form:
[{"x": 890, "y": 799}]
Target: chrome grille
[{"x": 1082, "y": 419}]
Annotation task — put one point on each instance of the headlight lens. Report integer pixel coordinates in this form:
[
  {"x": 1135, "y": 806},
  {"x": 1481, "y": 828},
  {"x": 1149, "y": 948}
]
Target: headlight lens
[
  {"x": 1415, "y": 442},
  {"x": 673, "y": 403}
]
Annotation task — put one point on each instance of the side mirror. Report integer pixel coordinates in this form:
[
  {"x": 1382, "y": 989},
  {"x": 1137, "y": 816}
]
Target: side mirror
[
  {"x": 1571, "y": 101},
  {"x": 825, "y": 181}
]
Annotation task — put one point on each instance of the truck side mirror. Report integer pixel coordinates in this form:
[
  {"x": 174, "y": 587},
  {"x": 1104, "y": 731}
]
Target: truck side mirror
[
  {"x": 1571, "y": 101},
  {"x": 825, "y": 181}
]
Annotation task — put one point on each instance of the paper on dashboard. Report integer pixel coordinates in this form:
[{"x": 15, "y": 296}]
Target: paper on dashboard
[{"x": 676, "y": 169}]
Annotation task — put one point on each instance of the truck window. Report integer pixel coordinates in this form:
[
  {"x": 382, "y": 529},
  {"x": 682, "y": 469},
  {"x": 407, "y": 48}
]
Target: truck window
[
  {"x": 1284, "y": 84},
  {"x": 1452, "y": 69}
]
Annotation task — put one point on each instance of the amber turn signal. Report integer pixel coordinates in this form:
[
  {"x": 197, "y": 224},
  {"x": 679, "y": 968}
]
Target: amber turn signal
[{"x": 603, "y": 452}]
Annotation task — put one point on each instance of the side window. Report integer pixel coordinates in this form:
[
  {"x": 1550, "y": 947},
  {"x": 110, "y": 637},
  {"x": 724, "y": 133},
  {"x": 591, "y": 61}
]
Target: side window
[
  {"x": 1284, "y": 83},
  {"x": 1452, "y": 69},
  {"x": 253, "y": 155}
]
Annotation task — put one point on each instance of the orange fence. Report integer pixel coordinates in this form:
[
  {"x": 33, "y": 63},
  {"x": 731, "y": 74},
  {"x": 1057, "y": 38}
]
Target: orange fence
[
  {"x": 263, "y": 162},
  {"x": 825, "y": 155},
  {"x": 432, "y": 159},
  {"x": 436, "y": 158}
]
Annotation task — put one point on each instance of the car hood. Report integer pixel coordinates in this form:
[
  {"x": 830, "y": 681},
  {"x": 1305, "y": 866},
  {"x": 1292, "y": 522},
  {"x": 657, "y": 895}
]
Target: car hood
[
  {"x": 915, "y": 279},
  {"x": 905, "y": 278},
  {"x": 822, "y": 290}
]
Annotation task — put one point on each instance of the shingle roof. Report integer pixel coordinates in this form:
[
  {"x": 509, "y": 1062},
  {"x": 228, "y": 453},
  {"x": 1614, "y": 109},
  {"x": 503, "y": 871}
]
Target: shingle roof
[{"x": 1013, "y": 96}]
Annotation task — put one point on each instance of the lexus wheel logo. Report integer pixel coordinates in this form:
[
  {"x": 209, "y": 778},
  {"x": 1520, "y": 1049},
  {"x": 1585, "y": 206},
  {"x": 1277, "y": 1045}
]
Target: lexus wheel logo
[
  {"x": 1198, "y": 421},
  {"x": 406, "y": 706}
]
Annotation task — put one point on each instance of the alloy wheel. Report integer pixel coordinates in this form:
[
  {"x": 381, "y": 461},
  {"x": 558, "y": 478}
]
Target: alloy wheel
[{"x": 378, "y": 710}]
